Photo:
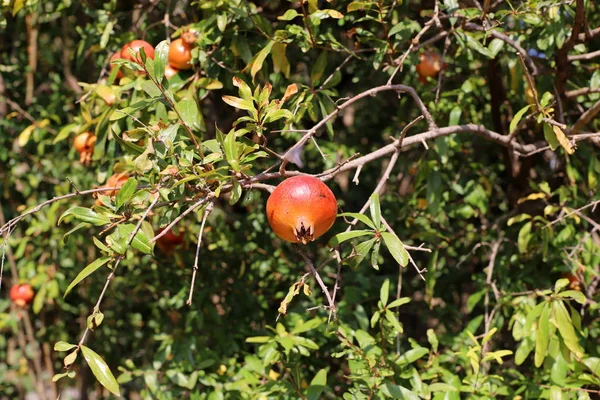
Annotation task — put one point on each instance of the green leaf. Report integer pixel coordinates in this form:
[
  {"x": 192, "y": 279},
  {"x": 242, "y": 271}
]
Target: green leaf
[
  {"x": 161, "y": 53},
  {"x": 317, "y": 385},
  {"x": 344, "y": 236},
  {"x": 396, "y": 248},
  {"x": 391, "y": 318},
  {"x": 550, "y": 136},
  {"x": 141, "y": 241},
  {"x": 517, "y": 118},
  {"x": 289, "y": 15},
  {"x": 360, "y": 5},
  {"x": 87, "y": 271},
  {"x": 257, "y": 62},
  {"x": 593, "y": 363},
  {"x": 565, "y": 327},
  {"x": 85, "y": 215},
  {"x": 258, "y": 339},
  {"x": 412, "y": 355},
  {"x": 442, "y": 387},
  {"x": 384, "y": 292},
  {"x": 375, "y": 209},
  {"x": 399, "y": 302},
  {"x": 100, "y": 370},
  {"x": 190, "y": 114},
  {"x": 432, "y": 339},
  {"x": 542, "y": 336},
  {"x": 63, "y": 346},
  {"x": 361, "y": 217},
  {"x": 316, "y": 73},
  {"x": 126, "y": 192},
  {"x": 361, "y": 251},
  {"x": 524, "y": 237},
  {"x": 243, "y": 88},
  {"x": 398, "y": 392},
  {"x": 231, "y": 151}
]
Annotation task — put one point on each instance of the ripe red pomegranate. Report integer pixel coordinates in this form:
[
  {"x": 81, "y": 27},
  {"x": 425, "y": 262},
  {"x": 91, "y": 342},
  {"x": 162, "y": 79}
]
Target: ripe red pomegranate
[
  {"x": 431, "y": 64},
  {"x": 21, "y": 295},
  {"x": 180, "y": 51},
  {"x": 301, "y": 209},
  {"x": 136, "y": 45},
  {"x": 169, "y": 241}
]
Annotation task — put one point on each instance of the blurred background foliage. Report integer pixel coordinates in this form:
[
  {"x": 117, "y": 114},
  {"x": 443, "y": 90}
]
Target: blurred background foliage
[{"x": 509, "y": 304}]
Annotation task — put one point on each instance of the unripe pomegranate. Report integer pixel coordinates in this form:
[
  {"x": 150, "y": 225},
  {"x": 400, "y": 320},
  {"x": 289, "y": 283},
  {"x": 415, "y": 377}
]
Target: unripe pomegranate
[
  {"x": 115, "y": 181},
  {"x": 170, "y": 71},
  {"x": 301, "y": 209},
  {"x": 180, "y": 51},
  {"x": 431, "y": 64},
  {"x": 21, "y": 295},
  {"x": 136, "y": 45},
  {"x": 115, "y": 56},
  {"x": 84, "y": 144},
  {"x": 169, "y": 240}
]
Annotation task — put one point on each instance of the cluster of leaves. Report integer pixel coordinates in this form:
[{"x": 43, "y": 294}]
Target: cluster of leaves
[{"x": 485, "y": 323}]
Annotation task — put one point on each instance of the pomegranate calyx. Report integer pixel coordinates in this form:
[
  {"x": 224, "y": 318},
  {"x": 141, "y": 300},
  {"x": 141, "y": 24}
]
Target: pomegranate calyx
[{"x": 304, "y": 234}]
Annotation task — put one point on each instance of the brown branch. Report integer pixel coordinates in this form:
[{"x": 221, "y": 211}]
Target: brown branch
[
  {"x": 584, "y": 57},
  {"x": 183, "y": 214},
  {"x": 31, "y": 21},
  {"x": 585, "y": 118},
  {"x": 371, "y": 92},
  {"x": 582, "y": 92}
]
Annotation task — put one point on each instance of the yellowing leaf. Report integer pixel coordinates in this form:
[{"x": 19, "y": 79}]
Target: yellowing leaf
[
  {"x": 532, "y": 196},
  {"x": 563, "y": 140},
  {"x": 280, "y": 61}
]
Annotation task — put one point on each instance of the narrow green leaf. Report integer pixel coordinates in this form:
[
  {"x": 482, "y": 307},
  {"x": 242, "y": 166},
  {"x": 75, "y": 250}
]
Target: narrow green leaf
[
  {"x": 126, "y": 192},
  {"x": 361, "y": 217},
  {"x": 565, "y": 327},
  {"x": 574, "y": 295},
  {"x": 63, "y": 346},
  {"x": 384, "y": 292},
  {"x": 87, "y": 271},
  {"x": 317, "y": 385},
  {"x": 395, "y": 247},
  {"x": 412, "y": 355},
  {"x": 259, "y": 59},
  {"x": 318, "y": 68},
  {"x": 118, "y": 114},
  {"x": 101, "y": 370},
  {"x": 399, "y": 302},
  {"x": 161, "y": 53},
  {"x": 542, "y": 336},
  {"x": 550, "y": 136},
  {"x": 391, "y": 317},
  {"x": 85, "y": 215},
  {"x": 344, "y": 236},
  {"x": 375, "y": 209},
  {"x": 517, "y": 118},
  {"x": 289, "y": 15}
]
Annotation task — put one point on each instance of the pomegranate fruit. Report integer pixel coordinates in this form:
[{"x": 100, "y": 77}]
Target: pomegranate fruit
[
  {"x": 170, "y": 71},
  {"x": 136, "y": 45},
  {"x": 115, "y": 181},
  {"x": 431, "y": 64},
  {"x": 169, "y": 240},
  {"x": 301, "y": 209},
  {"x": 112, "y": 66},
  {"x": 84, "y": 144},
  {"x": 180, "y": 51},
  {"x": 21, "y": 295}
]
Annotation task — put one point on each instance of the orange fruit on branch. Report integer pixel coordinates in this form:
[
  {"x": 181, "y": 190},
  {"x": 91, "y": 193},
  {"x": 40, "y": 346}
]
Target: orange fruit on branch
[
  {"x": 115, "y": 181},
  {"x": 169, "y": 240},
  {"x": 84, "y": 144},
  {"x": 301, "y": 209},
  {"x": 180, "y": 51},
  {"x": 431, "y": 64},
  {"x": 21, "y": 295}
]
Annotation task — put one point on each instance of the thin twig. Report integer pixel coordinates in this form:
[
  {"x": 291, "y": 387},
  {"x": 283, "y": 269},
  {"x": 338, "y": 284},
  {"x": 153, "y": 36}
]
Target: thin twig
[
  {"x": 331, "y": 305},
  {"x": 207, "y": 211}
]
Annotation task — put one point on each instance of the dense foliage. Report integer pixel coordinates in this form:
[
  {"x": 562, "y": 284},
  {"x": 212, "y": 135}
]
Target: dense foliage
[{"x": 459, "y": 137}]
